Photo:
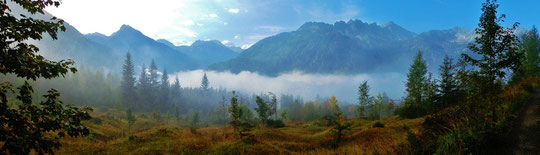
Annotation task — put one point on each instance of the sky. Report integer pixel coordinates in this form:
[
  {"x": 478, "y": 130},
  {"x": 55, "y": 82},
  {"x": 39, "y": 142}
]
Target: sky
[{"x": 243, "y": 22}]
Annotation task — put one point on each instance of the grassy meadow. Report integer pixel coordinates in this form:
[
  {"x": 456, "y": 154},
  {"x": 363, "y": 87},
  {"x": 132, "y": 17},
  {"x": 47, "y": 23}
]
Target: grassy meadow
[{"x": 111, "y": 134}]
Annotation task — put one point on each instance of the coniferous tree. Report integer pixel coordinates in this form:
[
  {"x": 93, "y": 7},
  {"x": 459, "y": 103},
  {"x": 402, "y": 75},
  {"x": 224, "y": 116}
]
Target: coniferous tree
[
  {"x": 164, "y": 89},
  {"x": 144, "y": 88},
  {"x": 130, "y": 117},
  {"x": 153, "y": 74},
  {"x": 128, "y": 81},
  {"x": 204, "y": 82},
  {"x": 262, "y": 109},
  {"x": 236, "y": 113},
  {"x": 175, "y": 92},
  {"x": 530, "y": 49},
  {"x": 414, "y": 105},
  {"x": 363, "y": 98},
  {"x": 448, "y": 85}
]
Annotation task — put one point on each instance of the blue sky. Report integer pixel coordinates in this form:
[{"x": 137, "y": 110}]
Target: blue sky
[{"x": 243, "y": 22}]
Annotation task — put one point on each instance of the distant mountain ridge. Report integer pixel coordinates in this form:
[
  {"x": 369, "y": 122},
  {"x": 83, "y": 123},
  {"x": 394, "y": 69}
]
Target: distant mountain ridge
[{"x": 346, "y": 48}]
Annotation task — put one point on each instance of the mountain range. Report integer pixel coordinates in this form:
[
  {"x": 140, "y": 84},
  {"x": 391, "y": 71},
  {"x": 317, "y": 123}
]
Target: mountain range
[
  {"x": 341, "y": 48},
  {"x": 347, "y": 48}
]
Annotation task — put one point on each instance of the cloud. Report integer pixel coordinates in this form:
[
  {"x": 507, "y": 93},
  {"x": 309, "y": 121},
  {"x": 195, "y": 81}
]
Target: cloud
[
  {"x": 235, "y": 11},
  {"x": 227, "y": 43},
  {"x": 246, "y": 46},
  {"x": 272, "y": 28},
  {"x": 213, "y": 15},
  {"x": 236, "y": 36},
  {"x": 344, "y": 87},
  {"x": 188, "y": 23},
  {"x": 181, "y": 42}
]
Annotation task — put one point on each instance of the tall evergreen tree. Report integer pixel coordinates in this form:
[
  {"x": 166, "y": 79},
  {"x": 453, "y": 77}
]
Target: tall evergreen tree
[
  {"x": 144, "y": 87},
  {"x": 175, "y": 94},
  {"x": 164, "y": 88},
  {"x": 262, "y": 109},
  {"x": 204, "y": 82},
  {"x": 448, "y": 84},
  {"x": 363, "y": 98},
  {"x": 128, "y": 81},
  {"x": 530, "y": 49},
  {"x": 416, "y": 83},
  {"x": 153, "y": 74},
  {"x": 235, "y": 113}
]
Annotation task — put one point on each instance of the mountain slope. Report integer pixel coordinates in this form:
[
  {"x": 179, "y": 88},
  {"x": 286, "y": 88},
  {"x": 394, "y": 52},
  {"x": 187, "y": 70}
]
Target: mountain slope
[
  {"x": 204, "y": 52},
  {"x": 345, "y": 48},
  {"x": 144, "y": 49}
]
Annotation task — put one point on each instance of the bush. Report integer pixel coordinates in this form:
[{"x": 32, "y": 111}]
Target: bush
[
  {"x": 132, "y": 138},
  {"x": 378, "y": 125},
  {"x": 275, "y": 123}
]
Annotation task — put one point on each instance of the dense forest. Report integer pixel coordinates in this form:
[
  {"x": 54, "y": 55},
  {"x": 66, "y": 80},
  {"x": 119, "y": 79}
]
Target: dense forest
[{"x": 473, "y": 104}]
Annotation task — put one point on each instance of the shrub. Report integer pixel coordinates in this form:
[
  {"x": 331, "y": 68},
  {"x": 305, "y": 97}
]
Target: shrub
[
  {"x": 275, "y": 123},
  {"x": 378, "y": 125},
  {"x": 132, "y": 138}
]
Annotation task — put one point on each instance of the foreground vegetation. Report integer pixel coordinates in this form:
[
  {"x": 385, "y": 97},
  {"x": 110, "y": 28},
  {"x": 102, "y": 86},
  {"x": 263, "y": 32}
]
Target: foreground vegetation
[{"x": 111, "y": 135}]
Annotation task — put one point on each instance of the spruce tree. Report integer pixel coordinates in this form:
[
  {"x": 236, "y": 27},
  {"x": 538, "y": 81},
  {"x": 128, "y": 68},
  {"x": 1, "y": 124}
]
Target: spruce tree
[
  {"x": 235, "y": 112},
  {"x": 128, "y": 81},
  {"x": 144, "y": 87},
  {"x": 204, "y": 82},
  {"x": 164, "y": 89},
  {"x": 153, "y": 74},
  {"x": 416, "y": 84},
  {"x": 448, "y": 85},
  {"x": 262, "y": 109},
  {"x": 530, "y": 49},
  {"x": 175, "y": 92}
]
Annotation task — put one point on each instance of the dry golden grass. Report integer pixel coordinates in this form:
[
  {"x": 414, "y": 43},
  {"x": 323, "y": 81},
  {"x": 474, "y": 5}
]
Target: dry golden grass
[{"x": 112, "y": 136}]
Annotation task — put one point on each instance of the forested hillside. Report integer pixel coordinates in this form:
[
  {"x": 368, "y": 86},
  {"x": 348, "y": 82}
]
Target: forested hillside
[{"x": 347, "y": 48}]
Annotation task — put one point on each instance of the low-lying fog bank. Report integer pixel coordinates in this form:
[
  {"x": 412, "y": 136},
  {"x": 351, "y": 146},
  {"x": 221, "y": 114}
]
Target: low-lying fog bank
[{"x": 344, "y": 87}]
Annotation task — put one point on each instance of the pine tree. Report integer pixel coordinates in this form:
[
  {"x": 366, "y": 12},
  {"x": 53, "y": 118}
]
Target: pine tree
[
  {"x": 153, "y": 75},
  {"x": 164, "y": 89},
  {"x": 175, "y": 92},
  {"x": 448, "y": 84},
  {"x": 415, "y": 104},
  {"x": 530, "y": 49},
  {"x": 144, "y": 87},
  {"x": 204, "y": 82},
  {"x": 128, "y": 81},
  {"x": 262, "y": 109},
  {"x": 130, "y": 117},
  {"x": 236, "y": 113},
  {"x": 363, "y": 98}
]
